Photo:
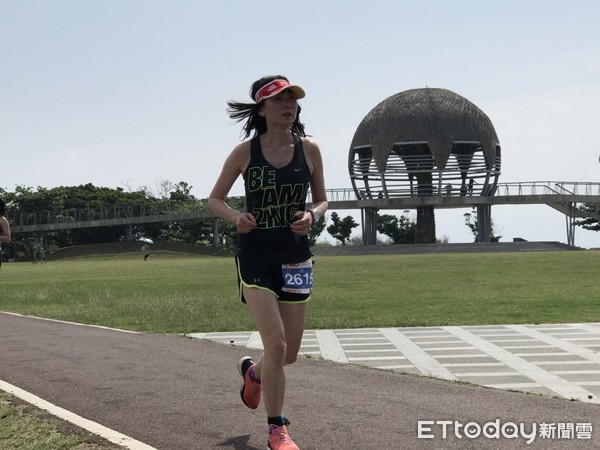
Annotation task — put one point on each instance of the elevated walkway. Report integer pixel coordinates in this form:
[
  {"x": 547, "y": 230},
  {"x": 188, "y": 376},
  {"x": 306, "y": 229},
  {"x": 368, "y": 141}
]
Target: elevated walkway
[{"x": 560, "y": 195}]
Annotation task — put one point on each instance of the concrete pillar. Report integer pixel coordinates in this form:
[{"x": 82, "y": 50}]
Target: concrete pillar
[
  {"x": 484, "y": 223},
  {"x": 215, "y": 232},
  {"x": 570, "y": 217},
  {"x": 369, "y": 226},
  {"x": 128, "y": 232}
]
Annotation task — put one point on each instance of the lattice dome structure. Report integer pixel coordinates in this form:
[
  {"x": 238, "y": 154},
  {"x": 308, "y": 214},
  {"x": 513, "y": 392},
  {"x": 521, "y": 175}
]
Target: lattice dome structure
[{"x": 424, "y": 142}]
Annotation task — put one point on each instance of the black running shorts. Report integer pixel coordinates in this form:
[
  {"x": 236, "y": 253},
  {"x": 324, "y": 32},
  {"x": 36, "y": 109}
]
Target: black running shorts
[{"x": 267, "y": 276}]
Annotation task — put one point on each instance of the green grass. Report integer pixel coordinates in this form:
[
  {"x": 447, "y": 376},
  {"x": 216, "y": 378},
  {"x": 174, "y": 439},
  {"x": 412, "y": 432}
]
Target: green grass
[
  {"x": 182, "y": 294},
  {"x": 23, "y": 429}
]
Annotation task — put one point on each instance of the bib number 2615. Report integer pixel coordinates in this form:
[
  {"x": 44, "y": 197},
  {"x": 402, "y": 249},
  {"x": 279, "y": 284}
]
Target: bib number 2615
[{"x": 297, "y": 278}]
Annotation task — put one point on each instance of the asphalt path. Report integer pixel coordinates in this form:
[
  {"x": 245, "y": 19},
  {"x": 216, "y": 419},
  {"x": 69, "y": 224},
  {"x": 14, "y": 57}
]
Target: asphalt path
[{"x": 175, "y": 393}]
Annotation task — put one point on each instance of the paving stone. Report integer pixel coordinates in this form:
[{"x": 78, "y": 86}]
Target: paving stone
[{"x": 556, "y": 360}]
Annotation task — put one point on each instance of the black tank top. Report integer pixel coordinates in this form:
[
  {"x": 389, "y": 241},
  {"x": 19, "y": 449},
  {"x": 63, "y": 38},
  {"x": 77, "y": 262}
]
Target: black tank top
[{"x": 273, "y": 195}]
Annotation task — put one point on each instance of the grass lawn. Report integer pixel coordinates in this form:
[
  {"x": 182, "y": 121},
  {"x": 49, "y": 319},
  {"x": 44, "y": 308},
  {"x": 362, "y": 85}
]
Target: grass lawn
[
  {"x": 22, "y": 428},
  {"x": 182, "y": 294}
]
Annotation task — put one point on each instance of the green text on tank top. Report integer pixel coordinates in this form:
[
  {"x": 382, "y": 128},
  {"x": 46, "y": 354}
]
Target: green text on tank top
[{"x": 273, "y": 195}]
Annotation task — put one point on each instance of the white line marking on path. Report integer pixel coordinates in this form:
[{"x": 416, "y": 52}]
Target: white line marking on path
[
  {"x": 576, "y": 372},
  {"x": 330, "y": 346},
  {"x": 399, "y": 366},
  {"x": 70, "y": 323},
  {"x": 377, "y": 358},
  {"x": 553, "y": 382},
  {"x": 496, "y": 364},
  {"x": 416, "y": 355},
  {"x": 591, "y": 327},
  {"x": 513, "y": 385},
  {"x": 488, "y": 374},
  {"x": 565, "y": 363},
  {"x": 110, "y": 435},
  {"x": 575, "y": 349}
]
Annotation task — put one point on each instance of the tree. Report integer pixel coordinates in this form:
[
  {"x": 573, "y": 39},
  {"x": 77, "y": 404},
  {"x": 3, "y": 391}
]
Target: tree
[
  {"x": 61, "y": 202},
  {"x": 316, "y": 229},
  {"x": 592, "y": 222},
  {"x": 473, "y": 224},
  {"x": 341, "y": 229},
  {"x": 400, "y": 230},
  {"x": 181, "y": 192},
  {"x": 189, "y": 231}
]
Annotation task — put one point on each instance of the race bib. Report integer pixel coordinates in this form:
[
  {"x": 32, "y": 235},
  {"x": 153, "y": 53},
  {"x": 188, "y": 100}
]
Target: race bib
[{"x": 298, "y": 277}]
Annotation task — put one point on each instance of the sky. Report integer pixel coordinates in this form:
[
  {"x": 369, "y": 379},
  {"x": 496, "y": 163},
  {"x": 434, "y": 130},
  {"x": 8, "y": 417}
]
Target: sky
[{"x": 132, "y": 93}]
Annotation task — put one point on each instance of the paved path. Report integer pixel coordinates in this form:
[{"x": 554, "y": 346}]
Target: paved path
[
  {"x": 174, "y": 393},
  {"x": 560, "y": 360}
]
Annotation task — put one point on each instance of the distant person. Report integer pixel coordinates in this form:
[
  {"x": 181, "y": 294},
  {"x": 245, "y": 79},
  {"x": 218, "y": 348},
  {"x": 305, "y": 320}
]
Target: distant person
[
  {"x": 146, "y": 250},
  {"x": 4, "y": 228},
  {"x": 448, "y": 190},
  {"x": 471, "y": 183},
  {"x": 274, "y": 261},
  {"x": 39, "y": 254}
]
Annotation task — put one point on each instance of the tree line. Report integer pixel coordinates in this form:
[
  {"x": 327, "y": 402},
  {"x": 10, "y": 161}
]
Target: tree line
[{"x": 24, "y": 200}]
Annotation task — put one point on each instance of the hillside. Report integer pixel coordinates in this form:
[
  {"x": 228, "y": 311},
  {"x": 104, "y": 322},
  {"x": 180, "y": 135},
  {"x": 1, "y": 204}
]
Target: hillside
[{"x": 133, "y": 248}]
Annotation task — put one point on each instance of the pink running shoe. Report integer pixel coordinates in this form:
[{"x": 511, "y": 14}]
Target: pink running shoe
[
  {"x": 279, "y": 439},
  {"x": 250, "y": 390}
]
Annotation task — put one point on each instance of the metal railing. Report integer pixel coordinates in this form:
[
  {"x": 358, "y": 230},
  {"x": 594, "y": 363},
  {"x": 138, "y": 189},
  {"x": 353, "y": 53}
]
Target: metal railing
[
  {"x": 103, "y": 213},
  {"x": 548, "y": 188},
  {"x": 520, "y": 188},
  {"x": 171, "y": 210}
]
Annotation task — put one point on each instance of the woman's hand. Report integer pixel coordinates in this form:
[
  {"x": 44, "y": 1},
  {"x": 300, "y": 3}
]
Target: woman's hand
[
  {"x": 301, "y": 226},
  {"x": 245, "y": 222}
]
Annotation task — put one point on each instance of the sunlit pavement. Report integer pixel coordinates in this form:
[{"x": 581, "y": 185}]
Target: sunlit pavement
[{"x": 557, "y": 360}]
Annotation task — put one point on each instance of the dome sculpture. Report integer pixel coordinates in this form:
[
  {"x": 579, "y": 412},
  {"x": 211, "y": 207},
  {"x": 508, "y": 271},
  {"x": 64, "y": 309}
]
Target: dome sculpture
[{"x": 424, "y": 142}]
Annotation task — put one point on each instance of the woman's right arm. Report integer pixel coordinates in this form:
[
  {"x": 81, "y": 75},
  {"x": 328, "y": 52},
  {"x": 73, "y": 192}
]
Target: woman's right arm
[
  {"x": 234, "y": 165},
  {"x": 4, "y": 230}
]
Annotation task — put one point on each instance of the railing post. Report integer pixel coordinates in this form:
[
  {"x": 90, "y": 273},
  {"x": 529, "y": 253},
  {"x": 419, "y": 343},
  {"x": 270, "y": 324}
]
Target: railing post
[
  {"x": 215, "y": 232},
  {"x": 128, "y": 233}
]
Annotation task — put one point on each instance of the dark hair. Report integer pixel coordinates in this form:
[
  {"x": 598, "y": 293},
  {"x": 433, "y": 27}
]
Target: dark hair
[
  {"x": 240, "y": 111},
  {"x": 2, "y": 207}
]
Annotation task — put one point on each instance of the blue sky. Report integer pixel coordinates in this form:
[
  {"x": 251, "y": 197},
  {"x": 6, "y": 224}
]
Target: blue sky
[{"x": 129, "y": 93}]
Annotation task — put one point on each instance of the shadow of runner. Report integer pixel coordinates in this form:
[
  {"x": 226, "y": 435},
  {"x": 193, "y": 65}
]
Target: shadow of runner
[{"x": 238, "y": 443}]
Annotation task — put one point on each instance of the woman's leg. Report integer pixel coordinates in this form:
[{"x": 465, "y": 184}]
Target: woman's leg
[
  {"x": 269, "y": 369},
  {"x": 293, "y": 316}
]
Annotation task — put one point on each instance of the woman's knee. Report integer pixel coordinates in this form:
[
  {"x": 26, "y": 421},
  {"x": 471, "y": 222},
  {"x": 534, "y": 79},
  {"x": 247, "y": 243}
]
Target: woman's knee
[
  {"x": 282, "y": 352},
  {"x": 276, "y": 349}
]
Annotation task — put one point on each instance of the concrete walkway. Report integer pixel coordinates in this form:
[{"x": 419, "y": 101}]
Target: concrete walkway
[{"x": 557, "y": 360}]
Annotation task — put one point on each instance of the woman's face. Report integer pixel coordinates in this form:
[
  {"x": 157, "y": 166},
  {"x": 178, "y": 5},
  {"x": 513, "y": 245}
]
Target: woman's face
[{"x": 281, "y": 108}]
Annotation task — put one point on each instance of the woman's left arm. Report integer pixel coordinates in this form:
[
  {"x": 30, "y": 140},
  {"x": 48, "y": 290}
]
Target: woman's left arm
[
  {"x": 317, "y": 178},
  {"x": 305, "y": 219}
]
